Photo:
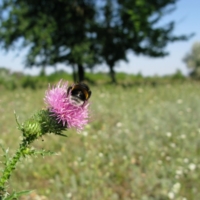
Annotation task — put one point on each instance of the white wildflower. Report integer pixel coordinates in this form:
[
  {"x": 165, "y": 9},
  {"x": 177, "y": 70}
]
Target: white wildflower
[{"x": 192, "y": 166}]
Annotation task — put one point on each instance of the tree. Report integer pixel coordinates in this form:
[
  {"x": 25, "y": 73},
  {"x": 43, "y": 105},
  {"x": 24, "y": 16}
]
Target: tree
[
  {"x": 133, "y": 26},
  {"x": 83, "y": 33},
  {"x": 54, "y": 32},
  {"x": 192, "y": 60}
]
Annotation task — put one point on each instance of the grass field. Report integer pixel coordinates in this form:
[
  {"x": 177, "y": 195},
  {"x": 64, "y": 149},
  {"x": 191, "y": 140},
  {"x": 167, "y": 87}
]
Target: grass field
[{"x": 143, "y": 143}]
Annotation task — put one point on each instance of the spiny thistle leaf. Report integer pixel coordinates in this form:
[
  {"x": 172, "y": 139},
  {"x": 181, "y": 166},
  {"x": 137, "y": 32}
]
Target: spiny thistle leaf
[{"x": 15, "y": 195}]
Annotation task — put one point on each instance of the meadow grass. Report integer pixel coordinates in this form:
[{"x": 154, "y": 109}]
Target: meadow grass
[{"x": 143, "y": 143}]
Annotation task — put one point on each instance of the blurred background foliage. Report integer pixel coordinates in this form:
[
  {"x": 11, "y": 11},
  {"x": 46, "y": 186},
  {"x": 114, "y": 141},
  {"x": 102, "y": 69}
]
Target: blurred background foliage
[
  {"x": 13, "y": 80},
  {"x": 85, "y": 33},
  {"x": 192, "y": 60}
]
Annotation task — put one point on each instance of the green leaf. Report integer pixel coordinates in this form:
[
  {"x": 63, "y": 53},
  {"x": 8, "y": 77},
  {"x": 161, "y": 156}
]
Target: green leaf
[{"x": 16, "y": 195}]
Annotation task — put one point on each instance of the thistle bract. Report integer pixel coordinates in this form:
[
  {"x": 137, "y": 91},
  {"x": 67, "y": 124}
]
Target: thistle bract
[{"x": 40, "y": 124}]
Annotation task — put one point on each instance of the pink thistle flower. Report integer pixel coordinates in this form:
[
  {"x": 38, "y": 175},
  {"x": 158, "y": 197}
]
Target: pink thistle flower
[{"x": 60, "y": 105}]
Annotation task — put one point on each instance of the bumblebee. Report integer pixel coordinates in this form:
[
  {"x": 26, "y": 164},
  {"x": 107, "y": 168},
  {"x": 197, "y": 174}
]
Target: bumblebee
[{"x": 79, "y": 93}]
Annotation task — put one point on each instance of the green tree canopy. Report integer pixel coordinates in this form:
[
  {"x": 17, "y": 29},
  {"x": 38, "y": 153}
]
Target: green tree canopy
[
  {"x": 192, "y": 60},
  {"x": 53, "y": 31},
  {"x": 134, "y": 26},
  {"x": 86, "y": 32}
]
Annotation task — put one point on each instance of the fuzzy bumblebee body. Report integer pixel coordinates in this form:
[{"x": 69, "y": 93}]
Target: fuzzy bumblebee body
[{"x": 79, "y": 93}]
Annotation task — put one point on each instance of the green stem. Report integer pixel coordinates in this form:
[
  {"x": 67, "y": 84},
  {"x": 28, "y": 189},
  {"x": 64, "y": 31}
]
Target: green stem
[{"x": 10, "y": 166}]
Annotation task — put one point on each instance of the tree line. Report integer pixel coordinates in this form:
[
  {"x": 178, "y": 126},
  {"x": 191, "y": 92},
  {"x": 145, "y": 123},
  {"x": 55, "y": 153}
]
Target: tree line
[{"x": 85, "y": 33}]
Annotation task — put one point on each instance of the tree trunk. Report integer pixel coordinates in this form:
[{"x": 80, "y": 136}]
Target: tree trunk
[
  {"x": 112, "y": 74},
  {"x": 42, "y": 72},
  {"x": 81, "y": 73},
  {"x": 74, "y": 73}
]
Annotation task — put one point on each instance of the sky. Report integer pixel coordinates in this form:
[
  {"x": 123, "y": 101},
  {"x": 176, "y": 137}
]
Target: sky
[{"x": 186, "y": 16}]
